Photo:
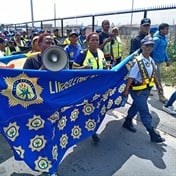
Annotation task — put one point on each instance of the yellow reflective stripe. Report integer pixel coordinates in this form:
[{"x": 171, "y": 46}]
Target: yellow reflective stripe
[
  {"x": 151, "y": 84},
  {"x": 139, "y": 87}
]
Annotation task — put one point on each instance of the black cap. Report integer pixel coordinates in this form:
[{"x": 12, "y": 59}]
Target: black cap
[{"x": 145, "y": 21}]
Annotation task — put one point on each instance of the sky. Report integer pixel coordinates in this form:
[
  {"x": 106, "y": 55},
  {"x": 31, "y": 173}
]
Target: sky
[{"x": 19, "y": 11}]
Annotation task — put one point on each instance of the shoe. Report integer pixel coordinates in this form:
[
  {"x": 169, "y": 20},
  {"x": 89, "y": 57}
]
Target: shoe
[
  {"x": 95, "y": 138},
  {"x": 128, "y": 125},
  {"x": 154, "y": 137},
  {"x": 169, "y": 110},
  {"x": 163, "y": 99}
]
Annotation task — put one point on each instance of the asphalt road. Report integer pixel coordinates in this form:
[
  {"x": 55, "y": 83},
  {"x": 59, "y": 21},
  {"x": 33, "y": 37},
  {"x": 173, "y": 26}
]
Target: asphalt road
[{"x": 119, "y": 153}]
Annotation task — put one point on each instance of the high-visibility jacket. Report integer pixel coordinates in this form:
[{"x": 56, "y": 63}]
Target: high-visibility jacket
[
  {"x": 8, "y": 51},
  {"x": 117, "y": 48},
  {"x": 67, "y": 41},
  {"x": 95, "y": 62},
  {"x": 146, "y": 80}
]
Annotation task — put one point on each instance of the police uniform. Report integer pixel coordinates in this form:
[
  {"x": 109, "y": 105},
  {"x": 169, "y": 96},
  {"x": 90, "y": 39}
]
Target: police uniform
[
  {"x": 141, "y": 80},
  {"x": 139, "y": 93}
]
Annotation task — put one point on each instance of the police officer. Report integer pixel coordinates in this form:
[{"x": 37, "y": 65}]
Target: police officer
[{"x": 139, "y": 83}]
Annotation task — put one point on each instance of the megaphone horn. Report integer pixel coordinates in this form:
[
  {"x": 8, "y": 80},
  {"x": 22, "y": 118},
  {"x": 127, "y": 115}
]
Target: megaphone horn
[{"x": 54, "y": 58}]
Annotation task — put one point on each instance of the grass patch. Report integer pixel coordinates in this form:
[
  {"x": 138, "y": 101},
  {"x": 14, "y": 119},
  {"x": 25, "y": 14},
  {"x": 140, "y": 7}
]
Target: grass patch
[{"x": 168, "y": 74}]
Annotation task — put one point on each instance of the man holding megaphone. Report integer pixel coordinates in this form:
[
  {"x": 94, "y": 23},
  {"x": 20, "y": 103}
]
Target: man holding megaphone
[{"x": 51, "y": 57}]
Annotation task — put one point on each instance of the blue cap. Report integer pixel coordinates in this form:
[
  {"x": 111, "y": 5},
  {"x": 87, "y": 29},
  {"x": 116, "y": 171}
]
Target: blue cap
[
  {"x": 153, "y": 29},
  {"x": 82, "y": 28},
  {"x": 147, "y": 40},
  {"x": 98, "y": 29}
]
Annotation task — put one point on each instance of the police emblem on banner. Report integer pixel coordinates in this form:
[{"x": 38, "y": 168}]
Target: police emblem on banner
[{"x": 22, "y": 90}]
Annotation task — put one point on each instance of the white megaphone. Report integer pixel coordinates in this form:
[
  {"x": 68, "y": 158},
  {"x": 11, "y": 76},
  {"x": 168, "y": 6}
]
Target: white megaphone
[{"x": 54, "y": 58}]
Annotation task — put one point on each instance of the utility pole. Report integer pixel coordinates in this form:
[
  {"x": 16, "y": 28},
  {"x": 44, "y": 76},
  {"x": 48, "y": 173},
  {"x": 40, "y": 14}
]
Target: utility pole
[
  {"x": 54, "y": 14},
  {"x": 32, "y": 14},
  {"x": 132, "y": 8}
]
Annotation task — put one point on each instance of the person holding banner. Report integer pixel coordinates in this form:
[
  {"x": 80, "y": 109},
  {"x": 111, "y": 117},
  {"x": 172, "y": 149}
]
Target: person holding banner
[
  {"x": 45, "y": 40},
  {"x": 139, "y": 83},
  {"x": 91, "y": 58}
]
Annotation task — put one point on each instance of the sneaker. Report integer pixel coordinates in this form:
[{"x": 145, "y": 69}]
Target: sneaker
[
  {"x": 162, "y": 99},
  {"x": 169, "y": 110}
]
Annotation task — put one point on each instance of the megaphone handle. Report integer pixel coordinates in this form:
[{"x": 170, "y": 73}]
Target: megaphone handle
[{"x": 42, "y": 67}]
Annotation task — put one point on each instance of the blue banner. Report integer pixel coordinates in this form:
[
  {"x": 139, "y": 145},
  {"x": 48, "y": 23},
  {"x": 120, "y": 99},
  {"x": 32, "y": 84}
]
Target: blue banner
[{"x": 44, "y": 113}]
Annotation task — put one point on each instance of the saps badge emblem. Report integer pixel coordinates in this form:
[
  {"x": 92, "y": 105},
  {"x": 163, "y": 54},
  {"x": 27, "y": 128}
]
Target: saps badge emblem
[{"x": 22, "y": 90}]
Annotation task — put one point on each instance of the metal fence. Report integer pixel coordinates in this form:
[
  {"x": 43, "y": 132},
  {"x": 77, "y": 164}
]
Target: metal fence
[{"x": 129, "y": 19}]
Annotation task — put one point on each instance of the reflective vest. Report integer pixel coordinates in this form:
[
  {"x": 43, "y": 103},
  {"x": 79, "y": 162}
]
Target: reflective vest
[
  {"x": 146, "y": 80},
  {"x": 117, "y": 48},
  {"x": 67, "y": 41},
  {"x": 107, "y": 49},
  {"x": 22, "y": 43},
  {"x": 95, "y": 62},
  {"x": 8, "y": 51}
]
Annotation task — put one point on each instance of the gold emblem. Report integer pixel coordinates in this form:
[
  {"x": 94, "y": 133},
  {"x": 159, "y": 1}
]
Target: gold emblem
[
  {"x": 110, "y": 103},
  {"x": 62, "y": 123},
  {"x": 103, "y": 110},
  {"x": 37, "y": 143},
  {"x": 96, "y": 96},
  {"x": 105, "y": 96},
  {"x": 90, "y": 124},
  {"x": 74, "y": 114},
  {"x": 55, "y": 152},
  {"x": 88, "y": 109},
  {"x": 63, "y": 141},
  {"x": 118, "y": 100},
  {"x": 112, "y": 91},
  {"x": 12, "y": 131},
  {"x": 20, "y": 151},
  {"x": 122, "y": 88},
  {"x": 54, "y": 117},
  {"x": 42, "y": 164},
  {"x": 35, "y": 123},
  {"x": 22, "y": 90},
  {"x": 76, "y": 132}
]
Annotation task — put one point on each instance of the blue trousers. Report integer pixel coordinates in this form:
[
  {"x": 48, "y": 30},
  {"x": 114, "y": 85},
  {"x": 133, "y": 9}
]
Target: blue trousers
[
  {"x": 171, "y": 99},
  {"x": 140, "y": 105}
]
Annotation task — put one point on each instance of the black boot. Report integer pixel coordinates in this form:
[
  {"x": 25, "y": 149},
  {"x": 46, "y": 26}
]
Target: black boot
[
  {"x": 154, "y": 137},
  {"x": 95, "y": 138},
  {"x": 129, "y": 125}
]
